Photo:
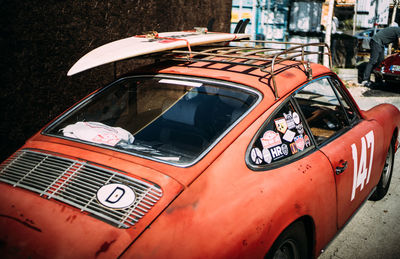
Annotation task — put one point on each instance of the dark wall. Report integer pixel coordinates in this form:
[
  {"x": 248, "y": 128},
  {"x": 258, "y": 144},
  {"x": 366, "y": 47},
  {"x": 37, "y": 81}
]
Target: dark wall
[{"x": 40, "y": 41}]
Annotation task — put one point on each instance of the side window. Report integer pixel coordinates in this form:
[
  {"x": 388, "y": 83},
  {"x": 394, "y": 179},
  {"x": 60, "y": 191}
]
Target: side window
[
  {"x": 349, "y": 110},
  {"x": 283, "y": 136},
  {"x": 322, "y": 109}
]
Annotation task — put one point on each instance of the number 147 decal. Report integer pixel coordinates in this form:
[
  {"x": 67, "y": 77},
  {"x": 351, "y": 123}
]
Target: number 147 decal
[{"x": 361, "y": 171}]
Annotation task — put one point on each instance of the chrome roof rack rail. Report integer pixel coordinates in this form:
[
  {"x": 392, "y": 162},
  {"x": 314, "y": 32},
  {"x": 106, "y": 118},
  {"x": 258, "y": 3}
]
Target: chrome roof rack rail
[{"x": 257, "y": 56}]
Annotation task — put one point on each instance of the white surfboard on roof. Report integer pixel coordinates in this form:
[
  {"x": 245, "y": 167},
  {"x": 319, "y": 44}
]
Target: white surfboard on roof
[{"x": 140, "y": 45}]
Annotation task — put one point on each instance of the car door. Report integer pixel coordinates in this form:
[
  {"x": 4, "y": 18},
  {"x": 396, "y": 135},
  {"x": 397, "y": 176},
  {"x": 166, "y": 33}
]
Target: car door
[
  {"x": 349, "y": 142},
  {"x": 295, "y": 176}
]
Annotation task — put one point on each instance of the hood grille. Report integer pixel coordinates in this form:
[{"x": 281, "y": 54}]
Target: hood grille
[{"x": 76, "y": 183}]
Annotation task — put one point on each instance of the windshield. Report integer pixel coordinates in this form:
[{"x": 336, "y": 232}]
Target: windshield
[{"x": 174, "y": 120}]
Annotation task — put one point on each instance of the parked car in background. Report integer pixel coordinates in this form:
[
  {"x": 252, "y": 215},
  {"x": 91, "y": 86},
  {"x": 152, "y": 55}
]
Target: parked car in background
[
  {"x": 209, "y": 152},
  {"x": 389, "y": 70}
]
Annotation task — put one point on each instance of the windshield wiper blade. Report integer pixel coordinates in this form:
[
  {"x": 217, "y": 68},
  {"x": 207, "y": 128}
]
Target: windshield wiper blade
[
  {"x": 140, "y": 148},
  {"x": 168, "y": 158}
]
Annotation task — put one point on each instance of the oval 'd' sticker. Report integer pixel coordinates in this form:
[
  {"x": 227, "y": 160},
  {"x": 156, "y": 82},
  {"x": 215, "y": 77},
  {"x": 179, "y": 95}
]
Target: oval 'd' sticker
[{"x": 116, "y": 196}]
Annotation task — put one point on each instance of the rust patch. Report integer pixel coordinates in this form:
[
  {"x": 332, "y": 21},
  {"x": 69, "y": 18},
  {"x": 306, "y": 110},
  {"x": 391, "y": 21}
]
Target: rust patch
[
  {"x": 71, "y": 218},
  {"x": 302, "y": 169},
  {"x": 260, "y": 229},
  {"x": 104, "y": 247},
  {"x": 297, "y": 207}
]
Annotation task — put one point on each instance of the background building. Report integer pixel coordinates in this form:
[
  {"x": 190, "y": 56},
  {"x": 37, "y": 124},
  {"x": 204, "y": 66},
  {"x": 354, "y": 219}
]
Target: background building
[
  {"x": 277, "y": 19},
  {"x": 280, "y": 20},
  {"x": 41, "y": 40}
]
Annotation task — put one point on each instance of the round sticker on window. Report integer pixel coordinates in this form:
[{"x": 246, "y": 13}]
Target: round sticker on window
[
  {"x": 267, "y": 156},
  {"x": 296, "y": 118},
  {"x": 285, "y": 149}
]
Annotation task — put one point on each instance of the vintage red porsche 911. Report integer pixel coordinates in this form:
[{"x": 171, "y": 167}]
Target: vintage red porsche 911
[
  {"x": 389, "y": 70},
  {"x": 211, "y": 152}
]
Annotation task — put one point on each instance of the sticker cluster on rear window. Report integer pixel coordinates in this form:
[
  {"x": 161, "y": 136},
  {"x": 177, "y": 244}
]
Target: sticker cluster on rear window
[{"x": 283, "y": 137}]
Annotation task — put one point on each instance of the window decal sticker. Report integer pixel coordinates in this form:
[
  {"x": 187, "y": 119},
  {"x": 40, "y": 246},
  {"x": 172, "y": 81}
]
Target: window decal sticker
[
  {"x": 285, "y": 149},
  {"x": 296, "y": 118},
  {"x": 300, "y": 128},
  {"x": 267, "y": 156},
  {"x": 270, "y": 139},
  {"x": 289, "y": 120},
  {"x": 277, "y": 152},
  {"x": 293, "y": 148},
  {"x": 281, "y": 137},
  {"x": 307, "y": 141},
  {"x": 281, "y": 125},
  {"x": 289, "y": 135},
  {"x": 299, "y": 140},
  {"x": 256, "y": 156}
]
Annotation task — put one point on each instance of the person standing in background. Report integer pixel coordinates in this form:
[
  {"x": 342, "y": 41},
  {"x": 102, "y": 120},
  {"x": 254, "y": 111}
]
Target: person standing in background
[{"x": 377, "y": 45}]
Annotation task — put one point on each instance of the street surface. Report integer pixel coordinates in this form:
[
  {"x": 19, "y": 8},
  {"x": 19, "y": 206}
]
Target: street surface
[{"x": 374, "y": 232}]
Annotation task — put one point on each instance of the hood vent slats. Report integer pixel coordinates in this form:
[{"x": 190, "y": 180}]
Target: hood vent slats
[{"x": 76, "y": 183}]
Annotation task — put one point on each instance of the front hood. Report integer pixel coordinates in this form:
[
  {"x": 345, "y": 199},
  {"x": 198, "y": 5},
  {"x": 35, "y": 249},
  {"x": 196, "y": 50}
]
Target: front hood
[{"x": 51, "y": 206}]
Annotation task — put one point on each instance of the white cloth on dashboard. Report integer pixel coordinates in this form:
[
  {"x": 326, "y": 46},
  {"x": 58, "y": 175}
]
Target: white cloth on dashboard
[{"x": 97, "y": 132}]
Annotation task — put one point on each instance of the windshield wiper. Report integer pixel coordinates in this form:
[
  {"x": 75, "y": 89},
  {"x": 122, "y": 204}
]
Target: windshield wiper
[{"x": 142, "y": 148}]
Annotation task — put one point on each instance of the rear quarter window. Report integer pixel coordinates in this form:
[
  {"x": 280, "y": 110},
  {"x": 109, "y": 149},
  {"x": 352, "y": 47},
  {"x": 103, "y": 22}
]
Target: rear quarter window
[{"x": 282, "y": 137}]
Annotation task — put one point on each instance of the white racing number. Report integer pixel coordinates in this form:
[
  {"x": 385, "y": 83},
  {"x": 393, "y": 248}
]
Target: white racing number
[{"x": 361, "y": 170}]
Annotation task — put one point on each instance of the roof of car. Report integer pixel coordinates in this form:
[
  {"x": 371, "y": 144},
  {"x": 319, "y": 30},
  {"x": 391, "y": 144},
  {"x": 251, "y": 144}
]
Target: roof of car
[
  {"x": 291, "y": 74},
  {"x": 273, "y": 71}
]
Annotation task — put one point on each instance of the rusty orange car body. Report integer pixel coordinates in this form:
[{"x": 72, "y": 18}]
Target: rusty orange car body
[{"x": 227, "y": 203}]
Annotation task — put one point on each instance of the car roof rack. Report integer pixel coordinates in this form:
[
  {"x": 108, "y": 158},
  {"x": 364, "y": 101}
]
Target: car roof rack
[{"x": 259, "y": 56}]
